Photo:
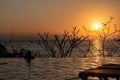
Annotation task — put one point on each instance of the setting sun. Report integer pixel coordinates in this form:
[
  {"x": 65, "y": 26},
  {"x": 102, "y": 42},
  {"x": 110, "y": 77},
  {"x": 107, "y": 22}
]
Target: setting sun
[{"x": 96, "y": 26}]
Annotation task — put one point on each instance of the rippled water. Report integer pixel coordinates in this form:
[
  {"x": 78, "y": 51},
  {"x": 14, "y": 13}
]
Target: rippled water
[{"x": 48, "y": 68}]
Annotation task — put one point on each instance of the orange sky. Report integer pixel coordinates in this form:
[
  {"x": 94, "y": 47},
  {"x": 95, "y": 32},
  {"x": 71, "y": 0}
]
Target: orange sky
[{"x": 55, "y": 16}]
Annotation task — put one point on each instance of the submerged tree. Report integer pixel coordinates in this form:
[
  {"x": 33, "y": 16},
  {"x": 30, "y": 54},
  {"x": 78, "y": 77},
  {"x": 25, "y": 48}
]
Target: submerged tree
[
  {"x": 68, "y": 42},
  {"x": 61, "y": 45},
  {"x": 105, "y": 32},
  {"x": 113, "y": 45},
  {"x": 47, "y": 44}
]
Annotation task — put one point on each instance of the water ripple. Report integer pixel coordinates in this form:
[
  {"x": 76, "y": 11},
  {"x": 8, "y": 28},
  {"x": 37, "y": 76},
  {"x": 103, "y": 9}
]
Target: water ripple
[{"x": 48, "y": 68}]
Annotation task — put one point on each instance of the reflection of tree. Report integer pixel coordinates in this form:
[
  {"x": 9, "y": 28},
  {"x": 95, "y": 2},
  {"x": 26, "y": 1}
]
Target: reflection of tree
[
  {"x": 105, "y": 32},
  {"x": 61, "y": 45}
]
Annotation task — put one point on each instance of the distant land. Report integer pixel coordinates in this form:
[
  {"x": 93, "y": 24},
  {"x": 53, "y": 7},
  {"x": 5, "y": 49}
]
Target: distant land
[{"x": 17, "y": 37}]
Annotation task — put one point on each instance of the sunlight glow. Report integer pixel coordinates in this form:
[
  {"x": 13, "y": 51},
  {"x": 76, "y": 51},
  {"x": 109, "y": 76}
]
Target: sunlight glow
[{"x": 96, "y": 26}]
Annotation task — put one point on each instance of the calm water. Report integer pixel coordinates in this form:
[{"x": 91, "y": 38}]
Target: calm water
[{"x": 49, "y": 68}]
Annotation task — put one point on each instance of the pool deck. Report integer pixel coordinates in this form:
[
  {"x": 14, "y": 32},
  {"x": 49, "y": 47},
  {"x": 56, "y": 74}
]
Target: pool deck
[{"x": 103, "y": 72}]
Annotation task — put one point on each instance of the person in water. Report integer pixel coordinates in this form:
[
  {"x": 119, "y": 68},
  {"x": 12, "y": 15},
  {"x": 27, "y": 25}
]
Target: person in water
[{"x": 28, "y": 55}]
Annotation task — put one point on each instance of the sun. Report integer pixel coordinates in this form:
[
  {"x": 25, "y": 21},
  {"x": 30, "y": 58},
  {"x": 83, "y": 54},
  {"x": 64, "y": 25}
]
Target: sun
[{"x": 96, "y": 26}]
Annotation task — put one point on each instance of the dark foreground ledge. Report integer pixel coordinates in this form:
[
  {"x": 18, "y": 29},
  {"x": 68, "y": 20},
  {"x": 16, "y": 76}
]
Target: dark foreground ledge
[{"x": 102, "y": 72}]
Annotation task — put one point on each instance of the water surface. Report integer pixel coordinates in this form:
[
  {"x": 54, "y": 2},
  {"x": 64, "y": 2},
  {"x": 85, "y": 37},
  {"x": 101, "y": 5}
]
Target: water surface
[{"x": 48, "y": 68}]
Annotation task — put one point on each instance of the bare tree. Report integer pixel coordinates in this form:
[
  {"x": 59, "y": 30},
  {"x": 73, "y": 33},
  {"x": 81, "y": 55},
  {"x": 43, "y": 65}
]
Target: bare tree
[
  {"x": 61, "y": 45},
  {"x": 113, "y": 45},
  {"x": 105, "y": 32},
  {"x": 47, "y": 44}
]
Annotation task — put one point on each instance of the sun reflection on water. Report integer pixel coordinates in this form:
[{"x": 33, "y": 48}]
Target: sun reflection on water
[{"x": 96, "y": 47}]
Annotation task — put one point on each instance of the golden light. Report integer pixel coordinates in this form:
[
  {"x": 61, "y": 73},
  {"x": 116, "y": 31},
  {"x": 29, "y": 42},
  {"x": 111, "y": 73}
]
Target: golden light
[{"x": 96, "y": 26}]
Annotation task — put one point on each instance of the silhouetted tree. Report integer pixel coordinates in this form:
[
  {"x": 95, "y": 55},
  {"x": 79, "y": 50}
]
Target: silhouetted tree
[
  {"x": 47, "y": 44},
  {"x": 61, "y": 45},
  {"x": 104, "y": 33},
  {"x": 113, "y": 45}
]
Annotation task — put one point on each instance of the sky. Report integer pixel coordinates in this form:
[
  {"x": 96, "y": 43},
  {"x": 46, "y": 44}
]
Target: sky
[{"x": 29, "y": 17}]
